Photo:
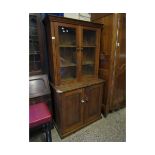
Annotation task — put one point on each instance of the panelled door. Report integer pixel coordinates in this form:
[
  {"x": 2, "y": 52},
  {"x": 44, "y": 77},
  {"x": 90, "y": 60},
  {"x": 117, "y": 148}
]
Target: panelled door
[
  {"x": 72, "y": 113},
  {"x": 93, "y": 99}
]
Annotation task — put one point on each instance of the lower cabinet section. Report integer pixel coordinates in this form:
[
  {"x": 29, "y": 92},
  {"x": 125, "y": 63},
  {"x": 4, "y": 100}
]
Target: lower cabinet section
[{"x": 77, "y": 108}]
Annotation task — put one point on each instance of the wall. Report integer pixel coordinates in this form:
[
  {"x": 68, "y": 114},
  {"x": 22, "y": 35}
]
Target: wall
[{"x": 80, "y": 16}]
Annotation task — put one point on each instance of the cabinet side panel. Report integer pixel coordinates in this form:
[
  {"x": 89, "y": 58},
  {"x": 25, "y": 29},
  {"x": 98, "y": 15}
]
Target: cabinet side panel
[{"x": 57, "y": 110}]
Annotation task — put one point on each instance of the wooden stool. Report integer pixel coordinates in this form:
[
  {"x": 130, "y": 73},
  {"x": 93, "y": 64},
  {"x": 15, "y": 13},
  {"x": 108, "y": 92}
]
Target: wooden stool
[{"x": 39, "y": 114}]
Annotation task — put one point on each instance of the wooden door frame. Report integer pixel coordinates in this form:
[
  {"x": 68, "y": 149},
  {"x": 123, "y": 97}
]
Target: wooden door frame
[
  {"x": 97, "y": 50},
  {"x": 59, "y": 81}
]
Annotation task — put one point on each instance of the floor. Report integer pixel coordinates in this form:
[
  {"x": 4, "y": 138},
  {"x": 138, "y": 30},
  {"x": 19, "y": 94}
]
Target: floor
[{"x": 109, "y": 129}]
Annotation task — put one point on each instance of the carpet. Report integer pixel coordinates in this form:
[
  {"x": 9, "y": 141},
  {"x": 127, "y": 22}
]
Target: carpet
[{"x": 109, "y": 129}]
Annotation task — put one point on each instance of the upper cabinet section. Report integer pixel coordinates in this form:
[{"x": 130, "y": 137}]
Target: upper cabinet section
[{"x": 73, "y": 49}]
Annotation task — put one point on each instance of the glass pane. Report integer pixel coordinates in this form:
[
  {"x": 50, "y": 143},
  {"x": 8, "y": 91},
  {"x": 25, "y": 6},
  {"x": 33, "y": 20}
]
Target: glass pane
[
  {"x": 34, "y": 46},
  {"x": 34, "y": 52},
  {"x": 89, "y": 38},
  {"x": 37, "y": 57},
  {"x": 34, "y": 65},
  {"x": 67, "y": 56},
  {"x": 88, "y": 55},
  {"x": 88, "y": 61},
  {"x": 68, "y": 73},
  {"x": 68, "y": 62},
  {"x": 33, "y": 31},
  {"x": 33, "y": 21},
  {"x": 88, "y": 69},
  {"x": 67, "y": 50},
  {"x": 67, "y": 36}
]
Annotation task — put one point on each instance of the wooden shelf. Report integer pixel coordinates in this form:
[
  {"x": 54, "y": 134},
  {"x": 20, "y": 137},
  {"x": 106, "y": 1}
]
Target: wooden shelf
[
  {"x": 88, "y": 63},
  {"x": 67, "y": 46},
  {"x": 68, "y": 79},
  {"x": 68, "y": 65},
  {"x": 85, "y": 46},
  {"x": 89, "y": 46}
]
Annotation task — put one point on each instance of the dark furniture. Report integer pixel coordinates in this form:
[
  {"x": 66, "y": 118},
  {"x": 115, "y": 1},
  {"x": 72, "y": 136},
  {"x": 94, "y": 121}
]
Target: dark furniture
[
  {"x": 39, "y": 115},
  {"x": 112, "y": 66},
  {"x": 40, "y": 109},
  {"x": 73, "y": 48},
  {"x": 36, "y": 45},
  {"x": 39, "y": 90}
]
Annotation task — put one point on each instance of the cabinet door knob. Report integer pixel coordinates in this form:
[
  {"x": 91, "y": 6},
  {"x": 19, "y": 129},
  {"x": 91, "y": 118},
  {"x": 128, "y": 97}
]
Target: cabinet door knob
[
  {"x": 86, "y": 99},
  {"x": 117, "y": 44},
  {"x": 82, "y": 101}
]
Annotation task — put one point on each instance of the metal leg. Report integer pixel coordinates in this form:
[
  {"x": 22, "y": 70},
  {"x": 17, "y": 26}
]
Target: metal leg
[{"x": 48, "y": 133}]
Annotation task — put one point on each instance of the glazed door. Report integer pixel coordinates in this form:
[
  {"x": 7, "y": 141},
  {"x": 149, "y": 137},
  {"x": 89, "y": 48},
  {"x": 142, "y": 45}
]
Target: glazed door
[
  {"x": 90, "y": 52},
  {"x": 72, "y": 113},
  {"x": 67, "y": 55},
  {"x": 93, "y": 99},
  {"x": 35, "y": 45},
  {"x": 119, "y": 89}
]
